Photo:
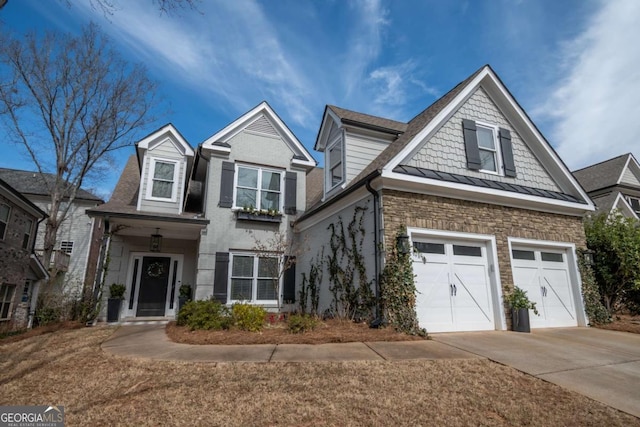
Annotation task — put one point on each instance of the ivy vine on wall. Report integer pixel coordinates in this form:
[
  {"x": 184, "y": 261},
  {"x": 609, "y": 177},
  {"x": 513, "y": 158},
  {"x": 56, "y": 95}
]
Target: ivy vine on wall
[{"x": 398, "y": 291}]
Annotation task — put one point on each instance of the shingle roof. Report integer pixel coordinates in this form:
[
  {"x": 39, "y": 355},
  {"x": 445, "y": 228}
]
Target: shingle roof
[
  {"x": 601, "y": 175},
  {"x": 314, "y": 186},
  {"x": 34, "y": 183},
  {"x": 605, "y": 202},
  {"x": 366, "y": 119}
]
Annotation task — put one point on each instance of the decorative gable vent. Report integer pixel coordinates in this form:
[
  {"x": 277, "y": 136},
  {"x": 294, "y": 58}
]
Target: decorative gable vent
[{"x": 263, "y": 125}]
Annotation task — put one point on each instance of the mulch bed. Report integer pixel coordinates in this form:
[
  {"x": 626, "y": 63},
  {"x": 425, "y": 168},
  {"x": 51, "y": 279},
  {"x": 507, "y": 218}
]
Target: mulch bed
[
  {"x": 329, "y": 331},
  {"x": 623, "y": 323}
]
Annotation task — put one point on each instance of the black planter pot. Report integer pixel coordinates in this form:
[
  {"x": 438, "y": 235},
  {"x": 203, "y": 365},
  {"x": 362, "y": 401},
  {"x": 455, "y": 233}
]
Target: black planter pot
[
  {"x": 520, "y": 319},
  {"x": 182, "y": 301},
  {"x": 113, "y": 309}
]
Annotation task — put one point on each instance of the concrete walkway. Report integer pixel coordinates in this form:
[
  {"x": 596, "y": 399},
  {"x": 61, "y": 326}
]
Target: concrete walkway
[
  {"x": 603, "y": 365},
  {"x": 151, "y": 342}
]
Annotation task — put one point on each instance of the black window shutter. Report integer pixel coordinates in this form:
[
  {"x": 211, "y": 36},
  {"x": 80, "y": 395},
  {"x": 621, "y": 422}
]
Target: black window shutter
[
  {"x": 221, "y": 277},
  {"x": 471, "y": 144},
  {"x": 507, "y": 153},
  {"x": 289, "y": 281},
  {"x": 226, "y": 185},
  {"x": 290, "y": 195}
]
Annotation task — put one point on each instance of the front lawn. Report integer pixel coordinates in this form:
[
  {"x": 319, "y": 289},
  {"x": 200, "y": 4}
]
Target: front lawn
[{"x": 69, "y": 368}]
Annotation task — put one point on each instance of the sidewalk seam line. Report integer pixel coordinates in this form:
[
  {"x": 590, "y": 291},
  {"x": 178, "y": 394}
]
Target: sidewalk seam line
[
  {"x": 589, "y": 367},
  {"x": 272, "y": 353},
  {"x": 372, "y": 349}
]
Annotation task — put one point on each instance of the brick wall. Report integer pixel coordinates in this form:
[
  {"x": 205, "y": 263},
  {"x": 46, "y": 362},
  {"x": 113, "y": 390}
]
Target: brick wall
[
  {"x": 14, "y": 261},
  {"x": 441, "y": 213}
]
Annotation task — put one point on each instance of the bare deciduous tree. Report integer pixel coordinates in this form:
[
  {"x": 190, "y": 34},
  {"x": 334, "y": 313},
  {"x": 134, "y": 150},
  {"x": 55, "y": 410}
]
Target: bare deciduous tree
[{"x": 70, "y": 101}]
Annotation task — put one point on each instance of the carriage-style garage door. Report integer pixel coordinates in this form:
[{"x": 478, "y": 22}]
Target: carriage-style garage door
[
  {"x": 544, "y": 274},
  {"x": 454, "y": 291}
]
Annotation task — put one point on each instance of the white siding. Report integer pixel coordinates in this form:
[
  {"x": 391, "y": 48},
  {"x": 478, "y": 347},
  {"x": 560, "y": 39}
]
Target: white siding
[
  {"x": 628, "y": 177},
  {"x": 360, "y": 151},
  {"x": 445, "y": 151}
]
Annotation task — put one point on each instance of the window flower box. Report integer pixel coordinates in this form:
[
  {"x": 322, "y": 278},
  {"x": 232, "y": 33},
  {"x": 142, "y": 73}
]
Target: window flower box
[{"x": 261, "y": 216}]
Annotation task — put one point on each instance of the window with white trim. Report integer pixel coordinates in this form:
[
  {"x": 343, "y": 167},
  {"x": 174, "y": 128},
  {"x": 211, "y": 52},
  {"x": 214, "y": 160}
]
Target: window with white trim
[
  {"x": 6, "y": 296},
  {"x": 488, "y": 146},
  {"x": 635, "y": 203},
  {"x": 5, "y": 210},
  {"x": 26, "y": 236},
  {"x": 66, "y": 247},
  {"x": 335, "y": 169},
  {"x": 254, "y": 278},
  {"x": 258, "y": 188},
  {"x": 162, "y": 180}
]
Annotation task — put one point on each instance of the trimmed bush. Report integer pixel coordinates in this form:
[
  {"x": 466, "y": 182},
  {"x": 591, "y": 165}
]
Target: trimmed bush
[
  {"x": 208, "y": 315},
  {"x": 248, "y": 317},
  {"x": 299, "y": 323}
]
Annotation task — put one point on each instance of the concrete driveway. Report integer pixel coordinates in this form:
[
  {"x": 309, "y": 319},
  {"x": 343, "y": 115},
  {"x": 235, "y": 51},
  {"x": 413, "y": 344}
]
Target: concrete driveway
[{"x": 603, "y": 365}]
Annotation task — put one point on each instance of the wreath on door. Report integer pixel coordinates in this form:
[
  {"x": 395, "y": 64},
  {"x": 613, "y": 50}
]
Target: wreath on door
[{"x": 155, "y": 269}]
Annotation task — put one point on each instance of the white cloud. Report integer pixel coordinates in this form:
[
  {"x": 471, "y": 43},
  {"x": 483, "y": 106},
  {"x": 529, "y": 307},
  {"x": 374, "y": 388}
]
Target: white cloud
[{"x": 596, "y": 108}]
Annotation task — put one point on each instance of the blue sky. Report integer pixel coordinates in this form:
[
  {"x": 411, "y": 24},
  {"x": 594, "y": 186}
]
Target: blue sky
[{"x": 573, "y": 65}]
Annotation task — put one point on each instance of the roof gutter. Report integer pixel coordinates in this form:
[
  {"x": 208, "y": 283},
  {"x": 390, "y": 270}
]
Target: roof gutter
[{"x": 371, "y": 127}]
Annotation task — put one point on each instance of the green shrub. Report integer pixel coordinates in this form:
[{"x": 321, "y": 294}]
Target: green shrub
[
  {"x": 117, "y": 291},
  {"x": 299, "y": 323},
  {"x": 206, "y": 315},
  {"x": 248, "y": 317}
]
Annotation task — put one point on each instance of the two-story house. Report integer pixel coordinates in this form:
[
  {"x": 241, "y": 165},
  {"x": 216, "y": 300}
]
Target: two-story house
[
  {"x": 75, "y": 254},
  {"x": 180, "y": 216},
  {"x": 485, "y": 201},
  {"x": 21, "y": 272},
  {"x": 613, "y": 185}
]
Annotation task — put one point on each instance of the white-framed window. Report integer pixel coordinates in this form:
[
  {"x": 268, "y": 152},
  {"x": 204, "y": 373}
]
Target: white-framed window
[
  {"x": 5, "y": 211},
  {"x": 6, "y": 296},
  {"x": 254, "y": 278},
  {"x": 66, "y": 247},
  {"x": 26, "y": 236},
  {"x": 258, "y": 188},
  {"x": 162, "y": 180},
  {"x": 635, "y": 203},
  {"x": 335, "y": 165},
  {"x": 489, "y": 149}
]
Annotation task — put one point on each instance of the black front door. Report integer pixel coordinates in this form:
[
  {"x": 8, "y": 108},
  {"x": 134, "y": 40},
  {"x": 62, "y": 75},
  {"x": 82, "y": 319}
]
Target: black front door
[{"x": 152, "y": 295}]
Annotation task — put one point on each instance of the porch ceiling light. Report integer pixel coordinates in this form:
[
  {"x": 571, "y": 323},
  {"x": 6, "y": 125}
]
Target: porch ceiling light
[
  {"x": 402, "y": 244},
  {"x": 156, "y": 242}
]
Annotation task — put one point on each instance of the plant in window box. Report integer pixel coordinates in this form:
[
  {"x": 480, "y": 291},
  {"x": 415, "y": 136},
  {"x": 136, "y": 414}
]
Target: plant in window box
[
  {"x": 520, "y": 306},
  {"x": 184, "y": 295},
  {"x": 116, "y": 295}
]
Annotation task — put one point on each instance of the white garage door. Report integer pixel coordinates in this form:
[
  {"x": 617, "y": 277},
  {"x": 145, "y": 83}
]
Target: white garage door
[
  {"x": 544, "y": 274},
  {"x": 453, "y": 286}
]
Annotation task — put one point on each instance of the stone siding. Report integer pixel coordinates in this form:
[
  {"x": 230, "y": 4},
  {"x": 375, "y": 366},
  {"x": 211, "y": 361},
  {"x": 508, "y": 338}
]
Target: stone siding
[{"x": 441, "y": 213}]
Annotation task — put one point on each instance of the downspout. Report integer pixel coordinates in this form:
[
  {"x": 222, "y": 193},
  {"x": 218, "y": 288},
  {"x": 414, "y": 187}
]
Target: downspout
[{"x": 379, "y": 318}]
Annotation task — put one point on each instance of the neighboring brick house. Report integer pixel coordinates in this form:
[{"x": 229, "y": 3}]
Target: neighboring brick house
[
  {"x": 485, "y": 200},
  {"x": 20, "y": 269},
  {"x": 78, "y": 236},
  {"x": 180, "y": 216},
  {"x": 613, "y": 185}
]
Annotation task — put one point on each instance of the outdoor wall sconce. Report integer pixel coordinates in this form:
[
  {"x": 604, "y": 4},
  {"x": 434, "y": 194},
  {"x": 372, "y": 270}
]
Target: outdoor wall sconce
[
  {"x": 402, "y": 244},
  {"x": 588, "y": 257},
  {"x": 156, "y": 242}
]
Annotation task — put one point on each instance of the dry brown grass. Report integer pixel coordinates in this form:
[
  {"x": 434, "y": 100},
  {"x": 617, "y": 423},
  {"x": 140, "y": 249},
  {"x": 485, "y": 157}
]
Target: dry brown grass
[
  {"x": 69, "y": 368},
  {"x": 624, "y": 323},
  {"x": 329, "y": 331}
]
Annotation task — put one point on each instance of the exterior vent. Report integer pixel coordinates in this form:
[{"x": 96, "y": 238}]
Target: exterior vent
[{"x": 263, "y": 125}]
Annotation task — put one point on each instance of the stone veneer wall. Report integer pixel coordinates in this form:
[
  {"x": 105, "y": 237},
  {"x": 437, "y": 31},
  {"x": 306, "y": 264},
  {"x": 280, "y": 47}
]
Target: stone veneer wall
[{"x": 441, "y": 213}]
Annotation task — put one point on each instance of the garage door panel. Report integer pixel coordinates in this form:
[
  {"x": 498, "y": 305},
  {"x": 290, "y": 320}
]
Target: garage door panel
[
  {"x": 453, "y": 287},
  {"x": 546, "y": 279}
]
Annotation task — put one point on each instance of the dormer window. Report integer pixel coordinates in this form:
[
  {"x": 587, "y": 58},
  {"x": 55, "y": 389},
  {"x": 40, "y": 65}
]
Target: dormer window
[
  {"x": 162, "y": 185},
  {"x": 335, "y": 165},
  {"x": 488, "y": 148}
]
